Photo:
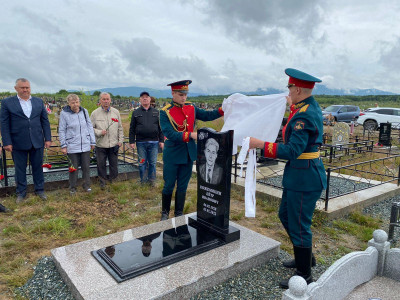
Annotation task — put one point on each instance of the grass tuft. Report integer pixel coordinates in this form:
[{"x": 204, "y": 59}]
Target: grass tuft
[
  {"x": 12, "y": 229},
  {"x": 237, "y": 216},
  {"x": 57, "y": 226}
]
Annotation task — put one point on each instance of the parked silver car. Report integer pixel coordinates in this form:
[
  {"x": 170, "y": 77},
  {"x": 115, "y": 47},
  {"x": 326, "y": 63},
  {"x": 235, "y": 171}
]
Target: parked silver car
[
  {"x": 373, "y": 117},
  {"x": 341, "y": 113}
]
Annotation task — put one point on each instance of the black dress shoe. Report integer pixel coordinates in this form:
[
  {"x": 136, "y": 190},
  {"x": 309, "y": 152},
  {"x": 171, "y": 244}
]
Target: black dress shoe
[
  {"x": 4, "y": 209},
  {"x": 42, "y": 195},
  {"x": 20, "y": 199},
  {"x": 164, "y": 216}
]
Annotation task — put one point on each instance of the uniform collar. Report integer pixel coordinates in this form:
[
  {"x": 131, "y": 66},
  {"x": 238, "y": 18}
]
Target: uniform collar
[
  {"x": 176, "y": 104},
  {"x": 302, "y": 103}
]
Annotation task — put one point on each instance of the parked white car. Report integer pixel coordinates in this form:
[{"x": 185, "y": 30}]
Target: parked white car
[{"x": 373, "y": 117}]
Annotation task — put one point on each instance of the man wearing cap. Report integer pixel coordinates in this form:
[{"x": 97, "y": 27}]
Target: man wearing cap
[
  {"x": 304, "y": 177},
  {"x": 177, "y": 120},
  {"x": 107, "y": 125},
  {"x": 146, "y": 132}
]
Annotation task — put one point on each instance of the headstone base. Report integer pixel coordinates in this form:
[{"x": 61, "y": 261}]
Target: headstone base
[
  {"x": 229, "y": 235},
  {"x": 87, "y": 279},
  {"x": 127, "y": 260}
]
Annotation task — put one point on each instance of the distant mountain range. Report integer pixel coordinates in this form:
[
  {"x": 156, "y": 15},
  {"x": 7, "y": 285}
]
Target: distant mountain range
[{"x": 134, "y": 91}]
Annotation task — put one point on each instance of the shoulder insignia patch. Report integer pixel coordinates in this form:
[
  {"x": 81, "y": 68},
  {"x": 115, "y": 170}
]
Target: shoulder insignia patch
[
  {"x": 299, "y": 125},
  {"x": 166, "y": 107},
  {"x": 304, "y": 108},
  {"x": 297, "y": 106}
]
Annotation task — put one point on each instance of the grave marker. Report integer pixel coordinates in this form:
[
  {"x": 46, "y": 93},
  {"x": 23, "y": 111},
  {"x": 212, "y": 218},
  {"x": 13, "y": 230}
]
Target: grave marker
[
  {"x": 385, "y": 130},
  {"x": 340, "y": 134},
  {"x": 214, "y": 163},
  {"x": 208, "y": 230}
]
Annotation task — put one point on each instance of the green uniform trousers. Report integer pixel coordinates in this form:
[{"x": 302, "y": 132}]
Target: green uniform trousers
[
  {"x": 295, "y": 212},
  {"x": 176, "y": 173}
]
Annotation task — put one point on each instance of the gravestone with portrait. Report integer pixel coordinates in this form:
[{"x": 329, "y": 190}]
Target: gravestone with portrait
[
  {"x": 214, "y": 163},
  {"x": 208, "y": 230},
  {"x": 341, "y": 134},
  {"x": 385, "y": 130}
]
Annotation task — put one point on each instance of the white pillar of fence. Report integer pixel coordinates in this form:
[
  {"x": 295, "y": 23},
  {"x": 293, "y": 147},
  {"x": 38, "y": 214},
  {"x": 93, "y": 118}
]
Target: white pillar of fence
[
  {"x": 379, "y": 241},
  {"x": 349, "y": 271}
]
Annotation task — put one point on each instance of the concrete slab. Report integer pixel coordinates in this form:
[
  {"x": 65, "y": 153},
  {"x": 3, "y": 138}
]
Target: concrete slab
[
  {"x": 377, "y": 288},
  {"x": 88, "y": 280},
  {"x": 343, "y": 205}
]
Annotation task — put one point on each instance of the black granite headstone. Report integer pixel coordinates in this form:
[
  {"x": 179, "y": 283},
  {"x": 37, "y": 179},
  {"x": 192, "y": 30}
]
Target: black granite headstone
[
  {"x": 136, "y": 257},
  {"x": 214, "y": 163},
  {"x": 208, "y": 230},
  {"x": 385, "y": 130}
]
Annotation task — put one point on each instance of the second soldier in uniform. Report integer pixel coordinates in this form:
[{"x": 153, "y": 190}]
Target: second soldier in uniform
[{"x": 304, "y": 177}]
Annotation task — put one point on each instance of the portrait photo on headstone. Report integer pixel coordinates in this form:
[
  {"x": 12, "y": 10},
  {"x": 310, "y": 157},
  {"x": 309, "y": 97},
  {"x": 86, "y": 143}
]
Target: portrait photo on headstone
[{"x": 210, "y": 171}]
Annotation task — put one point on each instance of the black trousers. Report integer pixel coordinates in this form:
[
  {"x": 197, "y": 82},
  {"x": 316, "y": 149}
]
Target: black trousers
[
  {"x": 102, "y": 155},
  {"x": 20, "y": 158},
  {"x": 82, "y": 160}
]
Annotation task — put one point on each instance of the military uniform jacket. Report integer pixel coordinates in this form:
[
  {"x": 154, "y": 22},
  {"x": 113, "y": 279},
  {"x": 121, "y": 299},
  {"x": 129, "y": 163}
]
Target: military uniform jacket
[
  {"x": 176, "y": 122},
  {"x": 302, "y": 138}
]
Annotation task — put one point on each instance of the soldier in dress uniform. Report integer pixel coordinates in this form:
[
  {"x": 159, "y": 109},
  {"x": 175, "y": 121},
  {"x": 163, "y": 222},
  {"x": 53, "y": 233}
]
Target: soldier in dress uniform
[
  {"x": 304, "y": 177},
  {"x": 177, "y": 120}
]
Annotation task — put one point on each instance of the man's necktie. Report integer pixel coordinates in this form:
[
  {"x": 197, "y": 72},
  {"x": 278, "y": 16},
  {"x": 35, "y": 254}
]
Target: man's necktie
[{"x": 209, "y": 175}]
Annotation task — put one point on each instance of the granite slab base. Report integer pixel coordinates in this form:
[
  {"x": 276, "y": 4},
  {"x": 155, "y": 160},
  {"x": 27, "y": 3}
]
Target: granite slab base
[{"x": 87, "y": 279}]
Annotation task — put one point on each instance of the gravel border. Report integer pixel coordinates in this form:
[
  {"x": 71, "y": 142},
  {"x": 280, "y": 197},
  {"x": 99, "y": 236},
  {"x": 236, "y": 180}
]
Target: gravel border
[
  {"x": 46, "y": 283},
  {"x": 338, "y": 185}
]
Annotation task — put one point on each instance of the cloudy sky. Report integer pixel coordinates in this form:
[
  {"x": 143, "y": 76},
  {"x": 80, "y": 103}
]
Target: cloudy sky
[{"x": 222, "y": 45}]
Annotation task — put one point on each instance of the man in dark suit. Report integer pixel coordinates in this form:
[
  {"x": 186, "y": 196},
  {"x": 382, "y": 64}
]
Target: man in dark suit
[
  {"x": 210, "y": 172},
  {"x": 25, "y": 129}
]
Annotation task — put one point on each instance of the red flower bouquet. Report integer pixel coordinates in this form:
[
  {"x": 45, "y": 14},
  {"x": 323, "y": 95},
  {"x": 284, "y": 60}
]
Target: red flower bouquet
[
  {"x": 46, "y": 166},
  {"x": 71, "y": 168}
]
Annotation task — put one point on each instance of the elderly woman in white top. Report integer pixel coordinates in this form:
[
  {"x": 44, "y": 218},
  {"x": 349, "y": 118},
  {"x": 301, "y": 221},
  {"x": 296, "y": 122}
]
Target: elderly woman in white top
[{"x": 76, "y": 139}]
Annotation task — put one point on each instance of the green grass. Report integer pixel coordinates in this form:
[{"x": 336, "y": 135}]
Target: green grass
[
  {"x": 121, "y": 221},
  {"x": 363, "y": 233},
  {"x": 331, "y": 232},
  {"x": 90, "y": 230},
  {"x": 237, "y": 216},
  {"x": 319, "y": 219},
  {"x": 57, "y": 226},
  {"x": 269, "y": 207},
  {"x": 12, "y": 229},
  {"x": 122, "y": 199},
  {"x": 364, "y": 220},
  {"x": 9, "y": 244}
]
